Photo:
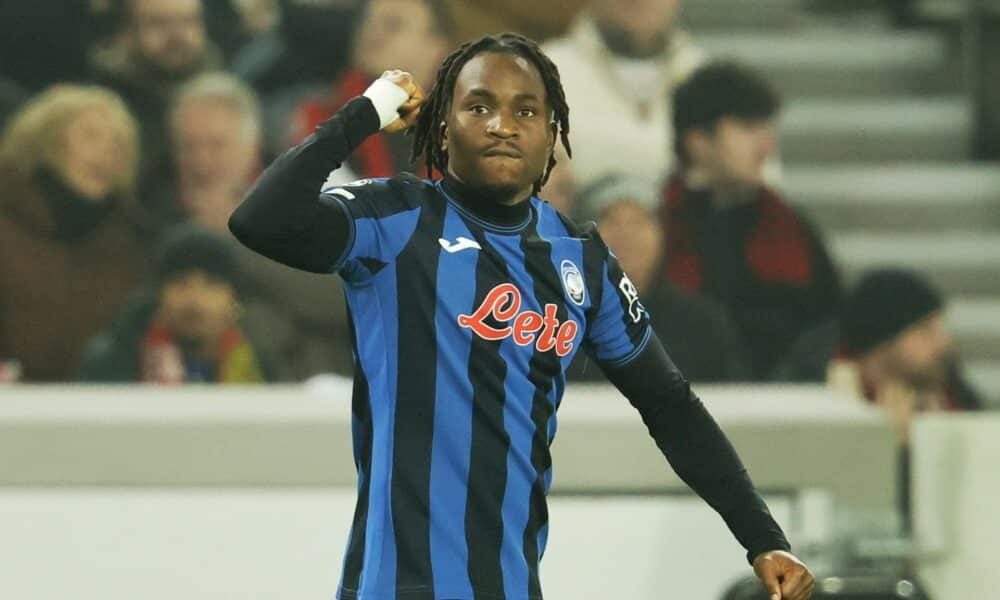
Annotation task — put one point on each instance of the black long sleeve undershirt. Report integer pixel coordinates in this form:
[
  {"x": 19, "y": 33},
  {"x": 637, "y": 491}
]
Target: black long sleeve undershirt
[
  {"x": 283, "y": 216},
  {"x": 696, "y": 447}
]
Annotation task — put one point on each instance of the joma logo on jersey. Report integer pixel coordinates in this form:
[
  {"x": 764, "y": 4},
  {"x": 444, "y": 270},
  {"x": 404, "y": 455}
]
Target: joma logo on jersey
[{"x": 503, "y": 303}]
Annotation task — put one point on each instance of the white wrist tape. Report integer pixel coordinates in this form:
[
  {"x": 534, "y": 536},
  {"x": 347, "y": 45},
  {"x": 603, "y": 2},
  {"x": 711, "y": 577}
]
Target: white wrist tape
[{"x": 387, "y": 98}]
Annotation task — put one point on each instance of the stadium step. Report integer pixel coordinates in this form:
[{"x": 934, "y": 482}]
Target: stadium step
[
  {"x": 897, "y": 198},
  {"x": 876, "y": 130},
  {"x": 960, "y": 263},
  {"x": 985, "y": 377},
  {"x": 975, "y": 323},
  {"x": 732, "y": 15},
  {"x": 831, "y": 62}
]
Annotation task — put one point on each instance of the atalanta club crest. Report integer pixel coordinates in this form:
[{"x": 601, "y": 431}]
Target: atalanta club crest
[{"x": 573, "y": 282}]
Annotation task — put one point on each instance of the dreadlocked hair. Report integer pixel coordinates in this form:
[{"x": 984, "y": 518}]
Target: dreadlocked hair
[{"x": 428, "y": 137}]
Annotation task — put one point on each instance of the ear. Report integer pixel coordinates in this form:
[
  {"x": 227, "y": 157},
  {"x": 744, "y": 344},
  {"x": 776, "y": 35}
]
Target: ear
[{"x": 444, "y": 135}]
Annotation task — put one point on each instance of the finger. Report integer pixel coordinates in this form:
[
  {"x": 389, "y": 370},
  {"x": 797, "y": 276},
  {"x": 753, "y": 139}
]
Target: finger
[
  {"x": 794, "y": 580},
  {"x": 802, "y": 590},
  {"x": 771, "y": 584},
  {"x": 410, "y": 118},
  {"x": 806, "y": 593}
]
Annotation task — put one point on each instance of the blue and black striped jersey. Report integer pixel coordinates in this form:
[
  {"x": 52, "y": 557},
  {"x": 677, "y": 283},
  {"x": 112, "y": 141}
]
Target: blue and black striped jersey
[
  {"x": 465, "y": 315},
  {"x": 463, "y": 329}
]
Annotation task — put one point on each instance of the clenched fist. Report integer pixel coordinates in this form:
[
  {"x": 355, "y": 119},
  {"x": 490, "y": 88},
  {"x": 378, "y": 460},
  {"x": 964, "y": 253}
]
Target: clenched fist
[
  {"x": 410, "y": 109},
  {"x": 784, "y": 576}
]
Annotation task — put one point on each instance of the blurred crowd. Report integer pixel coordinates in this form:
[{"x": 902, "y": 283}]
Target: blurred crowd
[{"x": 132, "y": 129}]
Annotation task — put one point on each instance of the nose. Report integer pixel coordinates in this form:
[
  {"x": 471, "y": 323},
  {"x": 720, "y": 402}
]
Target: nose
[{"x": 501, "y": 124}]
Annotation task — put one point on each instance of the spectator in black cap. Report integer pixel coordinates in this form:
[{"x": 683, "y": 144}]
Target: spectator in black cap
[
  {"x": 728, "y": 233},
  {"x": 895, "y": 350},
  {"x": 189, "y": 329}
]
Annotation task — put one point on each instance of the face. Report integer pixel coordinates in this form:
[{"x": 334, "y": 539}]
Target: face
[
  {"x": 920, "y": 353},
  {"x": 390, "y": 32},
  {"x": 632, "y": 232},
  {"x": 499, "y": 132},
  {"x": 197, "y": 308},
  {"x": 168, "y": 35},
  {"x": 643, "y": 19},
  {"x": 213, "y": 145},
  {"x": 92, "y": 156},
  {"x": 735, "y": 152}
]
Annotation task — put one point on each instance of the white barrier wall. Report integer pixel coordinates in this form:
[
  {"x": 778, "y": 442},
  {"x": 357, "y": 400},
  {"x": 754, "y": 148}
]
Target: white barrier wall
[
  {"x": 956, "y": 504},
  {"x": 171, "y": 544},
  {"x": 194, "y": 493}
]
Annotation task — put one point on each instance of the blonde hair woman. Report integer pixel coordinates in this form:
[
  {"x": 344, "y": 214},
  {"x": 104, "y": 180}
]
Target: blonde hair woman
[{"x": 68, "y": 251}]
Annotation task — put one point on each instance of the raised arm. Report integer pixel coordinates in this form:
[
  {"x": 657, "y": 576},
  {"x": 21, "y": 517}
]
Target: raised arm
[{"x": 283, "y": 216}]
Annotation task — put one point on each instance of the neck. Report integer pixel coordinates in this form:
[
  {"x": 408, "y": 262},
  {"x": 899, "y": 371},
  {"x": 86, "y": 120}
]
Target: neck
[
  {"x": 629, "y": 45},
  {"x": 501, "y": 205},
  {"x": 726, "y": 191}
]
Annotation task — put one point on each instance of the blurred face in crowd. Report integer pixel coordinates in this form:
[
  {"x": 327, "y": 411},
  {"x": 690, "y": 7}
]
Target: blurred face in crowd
[
  {"x": 197, "y": 308},
  {"x": 92, "y": 159},
  {"x": 168, "y": 35},
  {"x": 499, "y": 132},
  {"x": 920, "y": 354},
  {"x": 643, "y": 20},
  {"x": 399, "y": 34},
  {"x": 214, "y": 144},
  {"x": 734, "y": 153},
  {"x": 634, "y": 235}
]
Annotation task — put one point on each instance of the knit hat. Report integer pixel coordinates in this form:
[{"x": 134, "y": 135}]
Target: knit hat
[
  {"x": 883, "y": 304},
  {"x": 190, "y": 248},
  {"x": 613, "y": 188}
]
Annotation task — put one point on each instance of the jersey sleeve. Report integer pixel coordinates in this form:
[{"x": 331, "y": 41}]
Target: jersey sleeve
[
  {"x": 619, "y": 327},
  {"x": 381, "y": 218}
]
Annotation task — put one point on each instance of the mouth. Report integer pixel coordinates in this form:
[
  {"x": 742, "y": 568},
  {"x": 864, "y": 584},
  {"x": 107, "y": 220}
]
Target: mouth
[{"x": 506, "y": 151}]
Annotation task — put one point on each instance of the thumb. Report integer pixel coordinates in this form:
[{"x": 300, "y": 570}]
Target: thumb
[
  {"x": 771, "y": 583},
  {"x": 774, "y": 590}
]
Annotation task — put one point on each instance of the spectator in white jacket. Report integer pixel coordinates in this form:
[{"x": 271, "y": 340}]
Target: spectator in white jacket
[{"x": 619, "y": 63}]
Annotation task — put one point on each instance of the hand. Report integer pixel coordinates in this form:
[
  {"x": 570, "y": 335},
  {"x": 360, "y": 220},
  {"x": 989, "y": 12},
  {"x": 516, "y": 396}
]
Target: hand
[
  {"x": 410, "y": 109},
  {"x": 784, "y": 576}
]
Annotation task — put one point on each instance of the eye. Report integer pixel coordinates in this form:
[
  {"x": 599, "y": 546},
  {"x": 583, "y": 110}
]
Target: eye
[
  {"x": 478, "y": 109},
  {"x": 526, "y": 112}
]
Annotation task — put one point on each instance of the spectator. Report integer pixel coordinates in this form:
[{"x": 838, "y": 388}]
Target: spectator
[
  {"x": 730, "y": 235},
  {"x": 295, "y": 42},
  {"x": 895, "y": 350},
  {"x": 696, "y": 331},
  {"x": 619, "y": 64},
  {"x": 68, "y": 251},
  {"x": 537, "y": 20},
  {"x": 393, "y": 34},
  {"x": 162, "y": 46},
  {"x": 216, "y": 135},
  {"x": 189, "y": 329},
  {"x": 896, "y": 353}
]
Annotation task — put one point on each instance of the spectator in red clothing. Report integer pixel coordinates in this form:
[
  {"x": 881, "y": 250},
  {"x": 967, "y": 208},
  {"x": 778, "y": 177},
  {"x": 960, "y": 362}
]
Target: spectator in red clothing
[
  {"x": 728, "y": 234},
  {"x": 408, "y": 34}
]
